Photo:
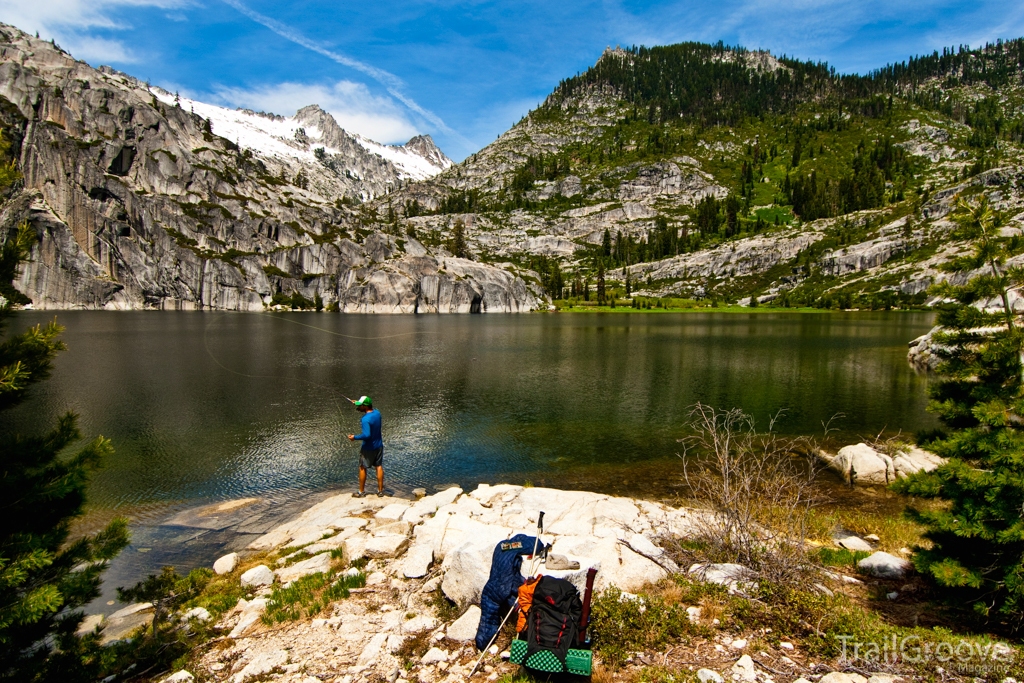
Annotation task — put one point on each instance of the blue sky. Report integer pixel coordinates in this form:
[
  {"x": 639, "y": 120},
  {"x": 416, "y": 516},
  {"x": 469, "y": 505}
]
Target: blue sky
[{"x": 465, "y": 71}]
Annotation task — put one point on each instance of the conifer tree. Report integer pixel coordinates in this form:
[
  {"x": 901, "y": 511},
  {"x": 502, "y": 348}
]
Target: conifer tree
[
  {"x": 458, "y": 242},
  {"x": 600, "y": 281},
  {"x": 44, "y": 578},
  {"x": 977, "y": 538}
]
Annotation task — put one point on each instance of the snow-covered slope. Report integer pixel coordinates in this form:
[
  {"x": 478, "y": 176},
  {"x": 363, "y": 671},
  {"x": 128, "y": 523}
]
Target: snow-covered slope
[{"x": 296, "y": 138}]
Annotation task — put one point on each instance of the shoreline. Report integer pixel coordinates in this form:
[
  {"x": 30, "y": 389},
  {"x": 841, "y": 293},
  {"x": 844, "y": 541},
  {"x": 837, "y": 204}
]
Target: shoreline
[{"x": 415, "y": 569}]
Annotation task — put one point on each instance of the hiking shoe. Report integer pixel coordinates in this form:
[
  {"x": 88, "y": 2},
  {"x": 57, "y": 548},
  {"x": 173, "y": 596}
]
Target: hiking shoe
[
  {"x": 380, "y": 494},
  {"x": 358, "y": 494}
]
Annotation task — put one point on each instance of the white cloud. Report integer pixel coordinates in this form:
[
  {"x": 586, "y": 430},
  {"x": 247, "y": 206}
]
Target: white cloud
[
  {"x": 72, "y": 23},
  {"x": 355, "y": 108},
  {"x": 393, "y": 84}
]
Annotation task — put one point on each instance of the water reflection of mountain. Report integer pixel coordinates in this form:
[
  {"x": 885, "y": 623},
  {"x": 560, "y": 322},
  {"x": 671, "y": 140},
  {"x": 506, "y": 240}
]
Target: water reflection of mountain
[{"x": 205, "y": 406}]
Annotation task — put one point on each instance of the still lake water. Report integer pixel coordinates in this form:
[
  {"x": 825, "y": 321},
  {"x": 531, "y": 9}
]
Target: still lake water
[{"x": 211, "y": 406}]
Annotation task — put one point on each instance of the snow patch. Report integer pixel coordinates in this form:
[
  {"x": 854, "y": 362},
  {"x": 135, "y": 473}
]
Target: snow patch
[{"x": 273, "y": 137}]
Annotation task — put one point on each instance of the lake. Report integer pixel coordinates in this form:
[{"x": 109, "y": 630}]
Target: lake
[{"x": 207, "y": 406}]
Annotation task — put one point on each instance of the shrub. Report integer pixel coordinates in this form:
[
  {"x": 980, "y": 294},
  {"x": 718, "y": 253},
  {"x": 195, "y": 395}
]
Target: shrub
[{"x": 756, "y": 496}]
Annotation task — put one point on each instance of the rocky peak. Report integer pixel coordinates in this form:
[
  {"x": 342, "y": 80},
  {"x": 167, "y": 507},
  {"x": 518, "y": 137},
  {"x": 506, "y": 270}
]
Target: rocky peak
[
  {"x": 424, "y": 146},
  {"x": 331, "y": 134}
]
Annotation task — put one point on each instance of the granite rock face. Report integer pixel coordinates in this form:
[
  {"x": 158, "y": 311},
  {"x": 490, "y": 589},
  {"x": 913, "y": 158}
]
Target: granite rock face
[{"x": 139, "y": 202}]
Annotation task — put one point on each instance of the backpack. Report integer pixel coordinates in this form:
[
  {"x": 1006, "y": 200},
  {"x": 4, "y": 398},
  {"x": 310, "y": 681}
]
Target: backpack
[{"x": 549, "y": 619}]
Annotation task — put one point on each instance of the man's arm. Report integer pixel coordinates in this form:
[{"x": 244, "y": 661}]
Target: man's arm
[{"x": 365, "y": 422}]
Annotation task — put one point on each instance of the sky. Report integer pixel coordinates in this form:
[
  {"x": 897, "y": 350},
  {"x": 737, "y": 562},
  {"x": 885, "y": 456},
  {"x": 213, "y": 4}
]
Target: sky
[{"x": 466, "y": 71}]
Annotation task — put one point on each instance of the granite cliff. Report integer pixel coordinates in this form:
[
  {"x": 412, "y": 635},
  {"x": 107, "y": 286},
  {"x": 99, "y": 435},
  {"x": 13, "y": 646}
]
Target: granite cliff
[{"x": 141, "y": 199}]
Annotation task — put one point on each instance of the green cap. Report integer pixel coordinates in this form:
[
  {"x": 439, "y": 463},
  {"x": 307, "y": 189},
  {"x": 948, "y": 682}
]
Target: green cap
[{"x": 363, "y": 401}]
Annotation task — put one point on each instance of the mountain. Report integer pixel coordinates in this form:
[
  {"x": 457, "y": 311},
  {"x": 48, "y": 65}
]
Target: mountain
[
  {"x": 142, "y": 199},
  {"x": 698, "y": 170},
  {"x": 691, "y": 170}
]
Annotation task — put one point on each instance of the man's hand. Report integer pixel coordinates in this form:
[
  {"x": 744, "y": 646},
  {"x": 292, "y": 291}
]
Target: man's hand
[{"x": 351, "y": 437}]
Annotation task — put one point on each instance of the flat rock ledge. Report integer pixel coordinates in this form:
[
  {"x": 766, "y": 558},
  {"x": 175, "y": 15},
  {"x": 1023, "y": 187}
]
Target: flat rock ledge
[
  {"x": 413, "y": 550},
  {"x": 393, "y": 630}
]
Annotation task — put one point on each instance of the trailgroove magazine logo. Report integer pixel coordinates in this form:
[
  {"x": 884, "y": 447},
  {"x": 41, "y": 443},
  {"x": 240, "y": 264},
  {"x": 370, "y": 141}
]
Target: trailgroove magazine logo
[{"x": 965, "y": 656}]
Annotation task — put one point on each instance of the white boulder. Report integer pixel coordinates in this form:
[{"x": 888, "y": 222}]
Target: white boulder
[
  {"x": 619, "y": 565},
  {"x": 354, "y": 547},
  {"x": 251, "y": 613},
  {"x": 915, "y": 460},
  {"x": 464, "y": 628},
  {"x": 854, "y": 543},
  {"x": 840, "y": 677},
  {"x": 882, "y": 565},
  {"x": 709, "y": 676},
  {"x": 419, "y": 623},
  {"x": 862, "y": 464},
  {"x": 732, "y": 576},
  {"x": 385, "y": 546},
  {"x": 417, "y": 560},
  {"x": 226, "y": 564},
  {"x": 372, "y": 650},
  {"x": 466, "y": 570},
  {"x": 196, "y": 613},
  {"x": 743, "y": 670},
  {"x": 262, "y": 664},
  {"x": 434, "y": 655},
  {"x": 392, "y": 512},
  {"x": 181, "y": 676},
  {"x": 258, "y": 576},
  {"x": 314, "y": 565}
]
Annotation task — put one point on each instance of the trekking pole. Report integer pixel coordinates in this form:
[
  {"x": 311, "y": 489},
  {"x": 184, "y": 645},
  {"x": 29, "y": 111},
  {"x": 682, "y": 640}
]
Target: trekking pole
[
  {"x": 536, "y": 540},
  {"x": 493, "y": 638}
]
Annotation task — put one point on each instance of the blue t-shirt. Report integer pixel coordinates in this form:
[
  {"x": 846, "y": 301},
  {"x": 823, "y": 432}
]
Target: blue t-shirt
[{"x": 371, "y": 431}]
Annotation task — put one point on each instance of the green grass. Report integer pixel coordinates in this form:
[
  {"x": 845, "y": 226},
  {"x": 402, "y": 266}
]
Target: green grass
[
  {"x": 840, "y": 557},
  {"x": 308, "y": 596}
]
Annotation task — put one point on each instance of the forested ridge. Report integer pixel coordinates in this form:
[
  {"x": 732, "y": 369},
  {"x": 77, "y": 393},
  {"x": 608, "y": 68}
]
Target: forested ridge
[{"x": 713, "y": 84}]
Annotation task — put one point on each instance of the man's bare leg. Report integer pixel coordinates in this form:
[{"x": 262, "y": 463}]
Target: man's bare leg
[
  {"x": 362, "y": 478},
  {"x": 380, "y": 479}
]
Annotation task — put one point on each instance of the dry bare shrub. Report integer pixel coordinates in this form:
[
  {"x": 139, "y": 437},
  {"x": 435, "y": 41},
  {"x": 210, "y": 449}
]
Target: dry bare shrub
[{"x": 757, "y": 491}]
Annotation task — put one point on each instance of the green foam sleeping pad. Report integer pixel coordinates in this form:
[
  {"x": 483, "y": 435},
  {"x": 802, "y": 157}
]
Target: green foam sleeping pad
[{"x": 576, "y": 661}]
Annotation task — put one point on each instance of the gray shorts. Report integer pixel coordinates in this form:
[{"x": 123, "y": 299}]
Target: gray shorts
[{"x": 371, "y": 458}]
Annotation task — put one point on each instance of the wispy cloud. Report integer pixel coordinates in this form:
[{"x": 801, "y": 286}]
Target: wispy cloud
[
  {"x": 391, "y": 83},
  {"x": 74, "y": 23},
  {"x": 353, "y": 106}
]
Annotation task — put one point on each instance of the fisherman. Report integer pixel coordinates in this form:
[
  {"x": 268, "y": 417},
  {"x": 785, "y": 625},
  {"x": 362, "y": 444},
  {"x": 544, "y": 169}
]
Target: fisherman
[{"x": 372, "y": 452}]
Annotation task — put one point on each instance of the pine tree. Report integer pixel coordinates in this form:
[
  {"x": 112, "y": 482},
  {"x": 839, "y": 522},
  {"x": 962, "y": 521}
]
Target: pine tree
[
  {"x": 44, "y": 579},
  {"x": 458, "y": 241},
  {"x": 606, "y": 243},
  {"x": 600, "y": 281},
  {"x": 977, "y": 538}
]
